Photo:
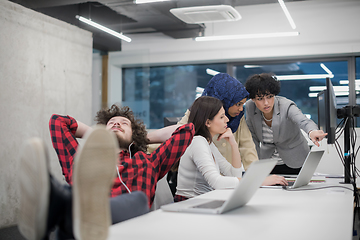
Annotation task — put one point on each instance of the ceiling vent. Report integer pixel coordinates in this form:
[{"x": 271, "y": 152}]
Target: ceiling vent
[{"x": 206, "y": 14}]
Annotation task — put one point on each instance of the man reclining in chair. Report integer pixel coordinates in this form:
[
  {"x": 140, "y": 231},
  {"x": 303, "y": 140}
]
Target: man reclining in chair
[{"x": 110, "y": 163}]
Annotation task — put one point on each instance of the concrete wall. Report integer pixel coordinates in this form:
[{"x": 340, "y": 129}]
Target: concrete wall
[
  {"x": 96, "y": 84},
  {"x": 45, "y": 68}
]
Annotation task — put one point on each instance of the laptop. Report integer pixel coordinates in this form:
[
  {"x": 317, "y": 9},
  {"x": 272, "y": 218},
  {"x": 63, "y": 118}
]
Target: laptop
[
  {"x": 307, "y": 171},
  {"x": 243, "y": 192}
]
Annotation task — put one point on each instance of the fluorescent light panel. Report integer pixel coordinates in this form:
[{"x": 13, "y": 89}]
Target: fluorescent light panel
[
  {"x": 105, "y": 29},
  {"x": 287, "y": 14},
  {"x": 252, "y": 66},
  {"x": 304, "y": 76},
  {"x": 339, "y": 90},
  {"x": 325, "y": 68},
  {"x": 247, "y": 36},
  {"x": 336, "y": 88},
  {"x": 357, "y": 81},
  {"x": 336, "y": 94},
  {"x": 211, "y": 72},
  {"x": 199, "y": 91},
  {"x": 316, "y": 88}
]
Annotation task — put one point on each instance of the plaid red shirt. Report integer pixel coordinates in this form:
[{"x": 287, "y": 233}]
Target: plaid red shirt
[{"x": 140, "y": 172}]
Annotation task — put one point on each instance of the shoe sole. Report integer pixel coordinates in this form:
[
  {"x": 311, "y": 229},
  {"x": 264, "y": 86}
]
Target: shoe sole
[
  {"x": 93, "y": 176},
  {"x": 34, "y": 189}
]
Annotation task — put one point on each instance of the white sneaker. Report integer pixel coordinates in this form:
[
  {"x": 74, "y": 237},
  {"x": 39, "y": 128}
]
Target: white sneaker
[
  {"x": 94, "y": 171},
  {"x": 34, "y": 189}
]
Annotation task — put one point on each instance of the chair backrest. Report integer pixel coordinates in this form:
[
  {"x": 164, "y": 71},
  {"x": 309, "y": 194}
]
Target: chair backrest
[
  {"x": 171, "y": 121},
  {"x": 163, "y": 194}
]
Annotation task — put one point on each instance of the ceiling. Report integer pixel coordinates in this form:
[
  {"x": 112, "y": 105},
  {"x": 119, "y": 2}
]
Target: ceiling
[{"x": 129, "y": 18}]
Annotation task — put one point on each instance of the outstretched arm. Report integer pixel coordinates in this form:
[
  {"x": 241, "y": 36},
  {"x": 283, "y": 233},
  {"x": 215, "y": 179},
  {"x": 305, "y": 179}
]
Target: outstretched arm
[
  {"x": 306, "y": 124},
  {"x": 162, "y": 134},
  {"x": 316, "y": 136},
  {"x": 165, "y": 156}
]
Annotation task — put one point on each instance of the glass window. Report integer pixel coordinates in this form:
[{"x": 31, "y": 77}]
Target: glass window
[
  {"x": 301, "y": 81},
  {"x": 168, "y": 91}
]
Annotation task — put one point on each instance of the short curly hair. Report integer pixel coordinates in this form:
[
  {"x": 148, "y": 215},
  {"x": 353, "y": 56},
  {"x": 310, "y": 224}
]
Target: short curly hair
[
  {"x": 262, "y": 84},
  {"x": 139, "y": 133}
]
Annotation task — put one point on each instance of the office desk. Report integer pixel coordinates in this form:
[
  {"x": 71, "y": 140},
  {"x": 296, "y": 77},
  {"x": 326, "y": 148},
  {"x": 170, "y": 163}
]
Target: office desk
[{"x": 270, "y": 214}]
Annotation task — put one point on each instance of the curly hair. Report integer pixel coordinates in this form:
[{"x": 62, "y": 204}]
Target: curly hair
[
  {"x": 139, "y": 133},
  {"x": 262, "y": 84}
]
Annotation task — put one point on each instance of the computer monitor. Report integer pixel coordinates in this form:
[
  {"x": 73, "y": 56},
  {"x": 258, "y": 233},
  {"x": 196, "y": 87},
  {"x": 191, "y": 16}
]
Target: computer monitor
[{"x": 327, "y": 111}]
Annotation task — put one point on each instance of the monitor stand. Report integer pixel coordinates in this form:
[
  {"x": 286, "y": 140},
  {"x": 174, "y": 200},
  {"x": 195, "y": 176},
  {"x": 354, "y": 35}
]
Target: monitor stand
[{"x": 348, "y": 112}]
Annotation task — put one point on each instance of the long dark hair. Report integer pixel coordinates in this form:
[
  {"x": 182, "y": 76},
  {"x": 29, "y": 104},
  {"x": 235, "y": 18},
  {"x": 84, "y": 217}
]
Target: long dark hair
[{"x": 202, "y": 109}]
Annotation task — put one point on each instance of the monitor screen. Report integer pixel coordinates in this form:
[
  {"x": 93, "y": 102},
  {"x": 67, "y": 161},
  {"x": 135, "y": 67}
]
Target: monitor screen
[
  {"x": 321, "y": 110},
  {"x": 327, "y": 112}
]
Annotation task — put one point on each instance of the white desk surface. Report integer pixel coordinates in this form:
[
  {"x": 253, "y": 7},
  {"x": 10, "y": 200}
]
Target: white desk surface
[{"x": 270, "y": 214}]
